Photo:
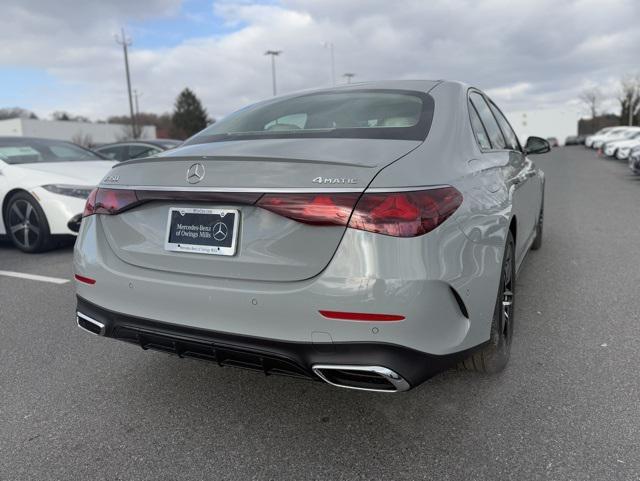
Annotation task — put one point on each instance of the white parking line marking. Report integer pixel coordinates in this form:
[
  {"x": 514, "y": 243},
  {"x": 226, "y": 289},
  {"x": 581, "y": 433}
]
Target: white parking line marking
[{"x": 34, "y": 277}]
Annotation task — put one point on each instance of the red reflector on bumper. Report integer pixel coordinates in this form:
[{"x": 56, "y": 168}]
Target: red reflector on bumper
[
  {"x": 86, "y": 280},
  {"x": 361, "y": 316}
]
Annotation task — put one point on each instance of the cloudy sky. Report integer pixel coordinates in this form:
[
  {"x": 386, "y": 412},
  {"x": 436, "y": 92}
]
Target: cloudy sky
[{"x": 529, "y": 55}]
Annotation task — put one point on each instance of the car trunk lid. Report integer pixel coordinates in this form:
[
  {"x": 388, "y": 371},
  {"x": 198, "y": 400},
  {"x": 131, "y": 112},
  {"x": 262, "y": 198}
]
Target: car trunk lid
[{"x": 269, "y": 247}]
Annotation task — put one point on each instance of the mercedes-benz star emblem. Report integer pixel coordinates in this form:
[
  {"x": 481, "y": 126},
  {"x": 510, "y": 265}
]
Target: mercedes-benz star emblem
[
  {"x": 195, "y": 173},
  {"x": 220, "y": 231}
]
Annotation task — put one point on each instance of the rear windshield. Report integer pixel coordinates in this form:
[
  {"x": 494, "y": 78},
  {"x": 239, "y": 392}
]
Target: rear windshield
[
  {"x": 365, "y": 114},
  {"x": 29, "y": 151}
]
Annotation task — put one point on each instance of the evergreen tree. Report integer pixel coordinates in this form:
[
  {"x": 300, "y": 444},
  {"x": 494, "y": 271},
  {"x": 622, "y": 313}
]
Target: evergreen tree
[{"x": 189, "y": 116}]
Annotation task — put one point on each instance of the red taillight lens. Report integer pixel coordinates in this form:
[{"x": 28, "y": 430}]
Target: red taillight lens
[
  {"x": 405, "y": 214},
  {"x": 90, "y": 205},
  {"x": 361, "y": 316},
  {"x": 109, "y": 201},
  {"x": 86, "y": 280},
  {"x": 317, "y": 209},
  {"x": 398, "y": 214}
]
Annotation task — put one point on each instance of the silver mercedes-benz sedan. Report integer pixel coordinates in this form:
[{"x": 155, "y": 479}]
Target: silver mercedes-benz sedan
[{"x": 368, "y": 236}]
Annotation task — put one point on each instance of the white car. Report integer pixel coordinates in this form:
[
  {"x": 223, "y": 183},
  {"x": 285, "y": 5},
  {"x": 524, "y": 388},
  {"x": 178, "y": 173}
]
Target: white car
[
  {"x": 625, "y": 151},
  {"x": 43, "y": 188},
  {"x": 591, "y": 138},
  {"x": 612, "y": 148},
  {"x": 615, "y": 134}
]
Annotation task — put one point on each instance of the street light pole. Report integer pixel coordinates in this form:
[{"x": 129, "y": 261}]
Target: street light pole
[
  {"x": 274, "y": 54},
  {"x": 349, "y": 76},
  {"x": 329, "y": 45},
  {"x": 126, "y": 42}
]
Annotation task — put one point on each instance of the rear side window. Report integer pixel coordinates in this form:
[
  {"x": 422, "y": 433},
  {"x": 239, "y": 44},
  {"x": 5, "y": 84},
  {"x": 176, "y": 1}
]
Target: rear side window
[
  {"x": 138, "y": 151},
  {"x": 478, "y": 129},
  {"x": 489, "y": 121},
  {"x": 113, "y": 153},
  {"x": 509, "y": 134}
]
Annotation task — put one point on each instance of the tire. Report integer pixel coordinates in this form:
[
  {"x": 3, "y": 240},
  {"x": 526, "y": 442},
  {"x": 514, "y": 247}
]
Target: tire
[
  {"x": 537, "y": 242},
  {"x": 494, "y": 356},
  {"x": 26, "y": 224}
]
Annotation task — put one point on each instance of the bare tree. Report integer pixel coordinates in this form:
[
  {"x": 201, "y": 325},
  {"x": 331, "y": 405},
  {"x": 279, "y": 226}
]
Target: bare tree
[
  {"x": 85, "y": 140},
  {"x": 592, "y": 98},
  {"x": 66, "y": 116},
  {"x": 629, "y": 98},
  {"x": 126, "y": 133},
  {"x": 16, "y": 112}
]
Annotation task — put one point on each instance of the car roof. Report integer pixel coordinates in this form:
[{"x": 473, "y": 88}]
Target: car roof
[
  {"x": 16, "y": 138},
  {"x": 154, "y": 142}
]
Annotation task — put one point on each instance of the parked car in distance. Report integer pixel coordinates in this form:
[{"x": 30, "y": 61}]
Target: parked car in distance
[
  {"x": 634, "y": 160},
  {"x": 613, "y": 135},
  {"x": 588, "y": 141},
  {"x": 575, "y": 140},
  {"x": 43, "y": 188},
  {"x": 620, "y": 149},
  {"x": 338, "y": 235},
  {"x": 553, "y": 141},
  {"x": 136, "y": 149}
]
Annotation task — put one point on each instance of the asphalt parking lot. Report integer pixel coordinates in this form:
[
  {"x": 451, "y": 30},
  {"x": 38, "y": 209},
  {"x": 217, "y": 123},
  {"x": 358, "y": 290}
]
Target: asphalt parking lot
[{"x": 75, "y": 406}]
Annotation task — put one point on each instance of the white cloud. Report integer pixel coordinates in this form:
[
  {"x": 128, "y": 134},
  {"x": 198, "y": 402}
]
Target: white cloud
[{"x": 534, "y": 53}]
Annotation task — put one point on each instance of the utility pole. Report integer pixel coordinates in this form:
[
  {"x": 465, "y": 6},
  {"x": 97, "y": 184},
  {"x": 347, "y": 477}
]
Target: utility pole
[
  {"x": 329, "y": 45},
  {"x": 274, "y": 54},
  {"x": 136, "y": 96},
  {"x": 349, "y": 76},
  {"x": 126, "y": 42},
  {"x": 632, "y": 101}
]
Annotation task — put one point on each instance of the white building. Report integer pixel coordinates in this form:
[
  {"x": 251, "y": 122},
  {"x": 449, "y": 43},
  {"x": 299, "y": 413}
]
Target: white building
[{"x": 79, "y": 132}]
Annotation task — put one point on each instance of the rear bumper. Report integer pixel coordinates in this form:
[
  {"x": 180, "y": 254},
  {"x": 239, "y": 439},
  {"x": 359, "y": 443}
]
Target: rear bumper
[{"x": 269, "y": 356}]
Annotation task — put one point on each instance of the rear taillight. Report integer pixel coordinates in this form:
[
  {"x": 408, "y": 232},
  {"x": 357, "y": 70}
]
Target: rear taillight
[
  {"x": 109, "y": 201},
  {"x": 317, "y": 209},
  {"x": 90, "y": 205},
  {"x": 405, "y": 214},
  {"x": 398, "y": 214}
]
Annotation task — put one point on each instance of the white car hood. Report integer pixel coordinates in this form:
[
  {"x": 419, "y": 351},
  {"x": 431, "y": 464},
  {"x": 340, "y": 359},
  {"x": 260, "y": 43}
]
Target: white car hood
[{"x": 77, "y": 172}]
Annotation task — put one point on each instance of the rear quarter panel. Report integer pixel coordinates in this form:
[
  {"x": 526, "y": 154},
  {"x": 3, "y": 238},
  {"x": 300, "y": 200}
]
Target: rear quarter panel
[{"x": 450, "y": 156}]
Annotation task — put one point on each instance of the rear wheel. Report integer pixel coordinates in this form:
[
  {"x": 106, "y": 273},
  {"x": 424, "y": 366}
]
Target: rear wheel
[
  {"x": 495, "y": 355},
  {"x": 26, "y": 224}
]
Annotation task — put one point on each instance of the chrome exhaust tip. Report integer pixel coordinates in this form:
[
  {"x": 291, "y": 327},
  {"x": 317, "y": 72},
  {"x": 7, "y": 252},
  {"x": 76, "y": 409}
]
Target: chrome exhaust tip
[
  {"x": 361, "y": 378},
  {"x": 89, "y": 324}
]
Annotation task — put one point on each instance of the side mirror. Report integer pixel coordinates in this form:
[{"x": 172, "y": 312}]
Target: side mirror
[{"x": 536, "y": 145}]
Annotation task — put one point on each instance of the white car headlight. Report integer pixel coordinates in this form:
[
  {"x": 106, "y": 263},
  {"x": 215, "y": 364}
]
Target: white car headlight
[{"x": 79, "y": 191}]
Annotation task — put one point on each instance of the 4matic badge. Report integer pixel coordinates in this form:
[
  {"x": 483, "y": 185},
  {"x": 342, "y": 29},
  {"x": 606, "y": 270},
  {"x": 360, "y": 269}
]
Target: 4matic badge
[{"x": 334, "y": 180}]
